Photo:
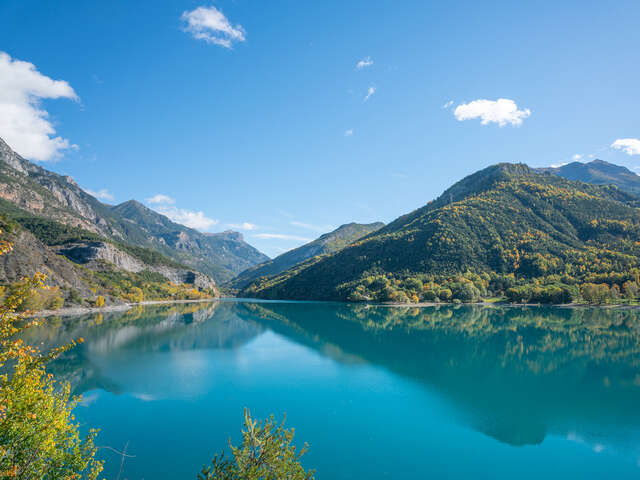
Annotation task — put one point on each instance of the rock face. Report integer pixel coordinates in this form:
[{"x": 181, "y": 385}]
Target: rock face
[
  {"x": 30, "y": 256},
  {"x": 90, "y": 253},
  {"x": 47, "y": 194}
]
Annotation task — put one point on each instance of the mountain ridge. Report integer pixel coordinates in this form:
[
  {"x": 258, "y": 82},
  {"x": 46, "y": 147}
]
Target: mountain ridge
[
  {"x": 598, "y": 172},
  {"x": 325, "y": 244},
  {"x": 506, "y": 219},
  {"x": 50, "y": 195}
]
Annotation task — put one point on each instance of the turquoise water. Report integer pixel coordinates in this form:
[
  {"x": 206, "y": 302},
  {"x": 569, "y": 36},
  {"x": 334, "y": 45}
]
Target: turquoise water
[{"x": 378, "y": 392}]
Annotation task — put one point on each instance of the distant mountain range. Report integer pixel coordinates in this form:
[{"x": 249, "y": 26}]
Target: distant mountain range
[
  {"x": 505, "y": 227},
  {"x": 41, "y": 193},
  {"x": 502, "y": 225},
  {"x": 326, "y": 244},
  {"x": 598, "y": 172}
]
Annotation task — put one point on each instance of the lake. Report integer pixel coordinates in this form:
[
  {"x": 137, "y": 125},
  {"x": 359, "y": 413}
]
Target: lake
[{"x": 377, "y": 392}]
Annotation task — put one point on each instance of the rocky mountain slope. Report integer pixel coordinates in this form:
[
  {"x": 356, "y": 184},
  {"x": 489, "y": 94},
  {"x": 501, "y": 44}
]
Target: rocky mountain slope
[
  {"x": 506, "y": 219},
  {"x": 82, "y": 265},
  {"x": 598, "y": 172},
  {"x": 49, "y": 195},
  {"x": 328, "y": 243}
]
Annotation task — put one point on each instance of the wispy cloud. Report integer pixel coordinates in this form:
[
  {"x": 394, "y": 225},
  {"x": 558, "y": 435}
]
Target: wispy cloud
[
  {"x": 210, "y": 24},
  {"x": 281, "y": 236},
  {"x": 502, "y": 111},
  {"x": 348, "y": 133},
  {"x": 164, "y": 204},
  {"x": 370, "y": 91},
  {"x": 243, "y": 226},
  {"x": 577, "y": 157},
  {"x": 188, "y": 218},
  {"x": 24, "y": 125},
  {"x": 630, "y": 146},
  {"x": 448, "y": 104},
  {"x": 315, "y": 228},
  {"x": 102, "y": 194},
  {"x": 160, "y": 199},
  {"x": 364, "y": 63}
]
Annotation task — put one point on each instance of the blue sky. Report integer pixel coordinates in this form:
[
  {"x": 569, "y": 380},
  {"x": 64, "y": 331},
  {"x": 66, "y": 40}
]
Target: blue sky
[{"x": 254, "y": 115}]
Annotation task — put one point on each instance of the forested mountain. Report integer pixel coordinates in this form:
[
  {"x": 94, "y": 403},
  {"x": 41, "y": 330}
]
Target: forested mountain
[
  {"x": 501, "y": 229},
  {"x": 52, "y": 196},
  {"x": 598, "y": 172},
  {"x": 328, "y": 243}
]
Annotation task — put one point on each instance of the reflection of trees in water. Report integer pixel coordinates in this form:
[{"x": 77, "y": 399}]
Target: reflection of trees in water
[
  {"x": 515, "y": 374},
  {"x": 538, "y": 339}
]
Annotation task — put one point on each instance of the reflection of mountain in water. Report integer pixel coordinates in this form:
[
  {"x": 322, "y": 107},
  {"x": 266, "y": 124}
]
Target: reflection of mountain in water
[
  {"x": 515, "y": 374},
  {"x": 163, "y": 328}
]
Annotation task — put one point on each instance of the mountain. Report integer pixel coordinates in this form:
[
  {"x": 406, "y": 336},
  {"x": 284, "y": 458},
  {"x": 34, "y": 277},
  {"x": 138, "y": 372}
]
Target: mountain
[
  {"x": 328, "y": 243},
  {"x": 493, "y": 230},
  {"x": 49, "y": 195},
  {"x": 81, "y": 265},
  {"x": 220, "y": 255},
  {"x": 598, "y": 172}
]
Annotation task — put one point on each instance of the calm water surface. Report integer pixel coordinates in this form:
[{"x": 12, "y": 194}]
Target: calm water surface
[{"x": 379, "y": 393}]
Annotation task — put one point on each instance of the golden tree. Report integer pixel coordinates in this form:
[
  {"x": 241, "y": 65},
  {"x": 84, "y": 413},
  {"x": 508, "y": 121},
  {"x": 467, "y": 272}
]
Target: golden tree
[{"x": 39, "y": 438}]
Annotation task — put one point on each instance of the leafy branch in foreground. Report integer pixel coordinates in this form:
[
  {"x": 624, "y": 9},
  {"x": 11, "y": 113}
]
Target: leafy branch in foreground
[
  {"x": 38, "y": 436},
  {"x": 266, "y": 453}
]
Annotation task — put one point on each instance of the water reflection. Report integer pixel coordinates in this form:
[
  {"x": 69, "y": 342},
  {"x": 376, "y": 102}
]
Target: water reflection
[{"x": 514, "y": 374}]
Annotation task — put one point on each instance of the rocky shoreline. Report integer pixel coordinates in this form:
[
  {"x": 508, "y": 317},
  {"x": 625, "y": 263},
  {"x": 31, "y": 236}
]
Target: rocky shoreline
[{"x": 72, "y": 311}]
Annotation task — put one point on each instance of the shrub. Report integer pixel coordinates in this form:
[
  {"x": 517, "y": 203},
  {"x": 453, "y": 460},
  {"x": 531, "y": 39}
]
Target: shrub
[{"x": 266, "y": 453}]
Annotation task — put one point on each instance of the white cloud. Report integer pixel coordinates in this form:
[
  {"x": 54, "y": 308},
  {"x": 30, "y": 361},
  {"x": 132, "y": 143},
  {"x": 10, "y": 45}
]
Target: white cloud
[
  {"x": 243, "y": 226},
  {"x": 188, "y": 218},
  {"x": 577, "y": 157},
  {"x": 502, "y": 111},
  {"x": 558, "y": 165},
  {"x": 448, "y": 104},
  {"x": 630, "y": 146},
  {"x": 281, "y": 236},
  {"x": 315, "y": 228},
  {"x": 102, "y": 194},
  {"x": 348, "y": 133},
  {"x": 365, "y": 62},
  {"x": 210, "y": 24},
  {"x": 24, "y": 125},
  {"x": 160, "y": 199},
  {"x": 370, "y": 92}
]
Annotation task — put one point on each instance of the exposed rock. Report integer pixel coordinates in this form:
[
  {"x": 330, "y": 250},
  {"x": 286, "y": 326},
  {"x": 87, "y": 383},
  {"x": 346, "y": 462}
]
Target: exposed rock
[{"x": 90, "y": 253}]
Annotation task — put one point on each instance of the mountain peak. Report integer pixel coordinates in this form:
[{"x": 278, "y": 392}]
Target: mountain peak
[
  {"x": 13, "y": 159},
  {"x": 482, "y": 180},
  {"x": 598, "y": 172}
]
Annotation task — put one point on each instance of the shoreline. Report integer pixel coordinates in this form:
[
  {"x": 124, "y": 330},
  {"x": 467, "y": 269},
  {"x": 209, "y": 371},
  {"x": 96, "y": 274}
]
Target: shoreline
[
  {"x": 74, "y": 311},
  {"x": 505, "y": 304}
]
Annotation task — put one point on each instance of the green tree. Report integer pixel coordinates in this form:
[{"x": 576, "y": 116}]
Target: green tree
[{"x": 266, "y": 453}]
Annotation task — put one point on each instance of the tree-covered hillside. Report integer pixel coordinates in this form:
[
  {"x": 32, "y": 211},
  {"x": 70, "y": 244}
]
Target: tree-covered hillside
[
  {"x": 328, "y": 243},
  {"x": 505, "y": 230}
]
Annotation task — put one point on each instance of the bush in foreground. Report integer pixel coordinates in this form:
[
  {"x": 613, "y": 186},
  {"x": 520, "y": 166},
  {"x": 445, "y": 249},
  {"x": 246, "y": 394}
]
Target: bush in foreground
[{"x": 266, "y": 453}]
